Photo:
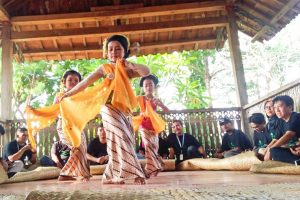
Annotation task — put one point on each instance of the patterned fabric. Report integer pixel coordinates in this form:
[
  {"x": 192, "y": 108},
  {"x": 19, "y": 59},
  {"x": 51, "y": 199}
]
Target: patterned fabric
[
  {"x": 154, "y": 163},
  {"x": 123, "y": 163},
  {"x": 77, "y": 164}
]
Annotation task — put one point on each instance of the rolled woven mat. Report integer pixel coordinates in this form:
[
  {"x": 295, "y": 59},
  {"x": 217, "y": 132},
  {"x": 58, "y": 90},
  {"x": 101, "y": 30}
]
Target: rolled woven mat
[
  {"x": 99, "y": 169},
  {"x": 3, "y": 174},
  {"x": 169, "y": 164},
  {"x": 275, "y": 167},
  {"x": 241, "y": 162},
  {"x": 40, "y": 173}
]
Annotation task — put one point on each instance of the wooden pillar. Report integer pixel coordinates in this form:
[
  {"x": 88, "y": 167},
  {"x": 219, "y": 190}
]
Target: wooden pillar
[
  {"x": 6, "y": 73},
  {"x": 237, "y": 65}
]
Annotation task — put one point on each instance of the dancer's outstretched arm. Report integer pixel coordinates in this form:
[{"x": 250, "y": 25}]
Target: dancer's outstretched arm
[{"x": 98, "y": 73}]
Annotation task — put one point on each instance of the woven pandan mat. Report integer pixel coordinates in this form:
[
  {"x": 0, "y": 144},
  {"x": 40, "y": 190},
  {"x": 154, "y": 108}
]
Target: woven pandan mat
[
  {"x": 241, "y": 162},
  {"x": 289, "y": 191},
  {"x": 275, "y": 167}
]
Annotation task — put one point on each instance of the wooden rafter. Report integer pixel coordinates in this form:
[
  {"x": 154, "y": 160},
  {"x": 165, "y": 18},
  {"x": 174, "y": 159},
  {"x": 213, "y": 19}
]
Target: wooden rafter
[
  {"x": 252, "y": 11},
  {"x": 276, "y": 18},
  {"x": 120, "y": 14},
  {"x": 96, "y": 48},
  {"x": 124, "y": 29},
  {"x": 117, "y": 7},
  {"x": 4, "y": 16}
]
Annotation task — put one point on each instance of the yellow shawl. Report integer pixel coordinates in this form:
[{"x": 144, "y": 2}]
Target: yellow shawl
[
  {"x": 76, "y": 111},
  {"x": 157, "y": 122}
]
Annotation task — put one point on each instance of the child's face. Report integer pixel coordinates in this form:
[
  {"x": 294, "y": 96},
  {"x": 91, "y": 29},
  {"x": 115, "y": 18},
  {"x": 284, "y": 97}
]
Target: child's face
[
  {"x": 114, "y": 51},
  {"x": 71, "y": 81},
  {"x": 148, "y": 86}
]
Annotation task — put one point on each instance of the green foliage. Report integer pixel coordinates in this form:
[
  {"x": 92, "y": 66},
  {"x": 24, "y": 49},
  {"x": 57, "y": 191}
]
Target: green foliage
[{"x": 182, "y": 71}]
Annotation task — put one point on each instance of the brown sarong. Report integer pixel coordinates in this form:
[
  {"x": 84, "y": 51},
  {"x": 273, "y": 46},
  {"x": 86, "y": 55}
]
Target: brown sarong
[
  {"x": 123, "y": 163},
  {"x": 77, "y": 164},
  {"x": 154, "y": 162}
]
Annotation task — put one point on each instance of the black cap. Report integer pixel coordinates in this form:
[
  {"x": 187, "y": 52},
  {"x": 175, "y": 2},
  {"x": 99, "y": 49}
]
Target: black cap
[
  {"x": 152, "y": 77},
  {"x": 224, "y": 120}
]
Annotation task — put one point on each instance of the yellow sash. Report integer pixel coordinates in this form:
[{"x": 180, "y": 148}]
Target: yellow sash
[
  {"x": 147, "y": 111},
  {"x": 76, "y": 111}
]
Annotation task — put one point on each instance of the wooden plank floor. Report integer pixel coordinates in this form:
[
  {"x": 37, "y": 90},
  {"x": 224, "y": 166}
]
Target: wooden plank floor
[{"x": 165, "y": 179}]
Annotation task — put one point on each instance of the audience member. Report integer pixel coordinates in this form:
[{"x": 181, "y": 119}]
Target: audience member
[
  {"x": 19, "y": 153},
  {"x": 261, "y": 137},
  {"x": 234, "y": 141},
  {"x": 60, "y": 153},
  {"x": 284, "y": 106},
  {"x": 183, "y": 146},
  {"x": 97, "y": 148}
]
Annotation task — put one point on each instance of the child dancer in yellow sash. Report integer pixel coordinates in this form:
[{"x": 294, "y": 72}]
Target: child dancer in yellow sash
[
  {"x": 150, "y": 124},
  {"x": 77, "y": 164}
]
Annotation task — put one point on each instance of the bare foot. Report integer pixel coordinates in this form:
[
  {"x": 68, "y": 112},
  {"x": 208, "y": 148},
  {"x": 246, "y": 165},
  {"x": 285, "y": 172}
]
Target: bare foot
[
  {"x": 85, "y": 179},
  {"x": 154, "y": 173},
  {"x": 107, "y": 181},
  {"x": 139, "y": 181},
  {"x": 120, "y": 181},
  {"x": 66, "y": 178}
]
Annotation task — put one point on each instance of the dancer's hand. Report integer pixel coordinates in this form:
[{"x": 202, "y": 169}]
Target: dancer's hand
[
  {"x": 158, "y": 102},
  {"x": 66, "y": 94}
]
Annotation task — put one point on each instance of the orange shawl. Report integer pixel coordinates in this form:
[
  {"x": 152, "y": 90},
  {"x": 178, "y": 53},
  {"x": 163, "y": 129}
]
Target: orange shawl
[{"x": 147, "y": 111}]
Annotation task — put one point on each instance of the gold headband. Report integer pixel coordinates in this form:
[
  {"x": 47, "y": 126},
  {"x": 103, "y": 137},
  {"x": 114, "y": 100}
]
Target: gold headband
[{"x": 104, "y": 47}]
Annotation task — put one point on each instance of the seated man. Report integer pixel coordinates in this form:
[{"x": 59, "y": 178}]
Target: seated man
[
  {"x": 97, "y": 148},
  {"x": 261, "y": 137},
  {"x": 60, "y": 154},
  {"x": 234, "y": 141},
  {"x": 183, "y": 145},
  {"x": 284, "y": 106},
  {"x": 162, "y": 150},
  {"x": 17, "y": 151}
]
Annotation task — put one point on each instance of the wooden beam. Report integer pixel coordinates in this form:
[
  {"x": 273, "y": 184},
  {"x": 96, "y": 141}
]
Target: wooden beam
[
  {"x": 96, "y": 48},
  {"x": 6, "y": 73},
  {"x": 275, "y": 19},
  {"x": 237, "y": 64},
  {"x": 117, "y": 7},
  {"x": 120, "y": 14},
  {"x": 122, "y": 29},
  {"x": 258, "y": 15},
  {"x": 4, "y": 16}
]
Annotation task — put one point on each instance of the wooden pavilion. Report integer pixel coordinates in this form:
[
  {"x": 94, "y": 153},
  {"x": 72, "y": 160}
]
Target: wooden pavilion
[{"x": 34, "y": 30}]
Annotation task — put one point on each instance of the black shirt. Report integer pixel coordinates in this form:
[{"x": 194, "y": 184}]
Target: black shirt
[
  {"x": 189, "y": 140},
  {"x": 97, "y": 149},
  {"x": 261, "y": 139},
  {"x": 294, "y": 125},
  {"x": 13, "y": 147},
  {"x": 236, "y": 139},
  {"x": 62, "y": 151},
  {"x": 162, "y": 148},
  {"x": 275, "y": 127}
]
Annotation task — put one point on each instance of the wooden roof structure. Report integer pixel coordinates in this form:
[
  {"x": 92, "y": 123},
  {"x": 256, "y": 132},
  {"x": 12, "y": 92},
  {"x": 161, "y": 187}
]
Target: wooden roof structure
[{"x": 72, "y": 29}]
